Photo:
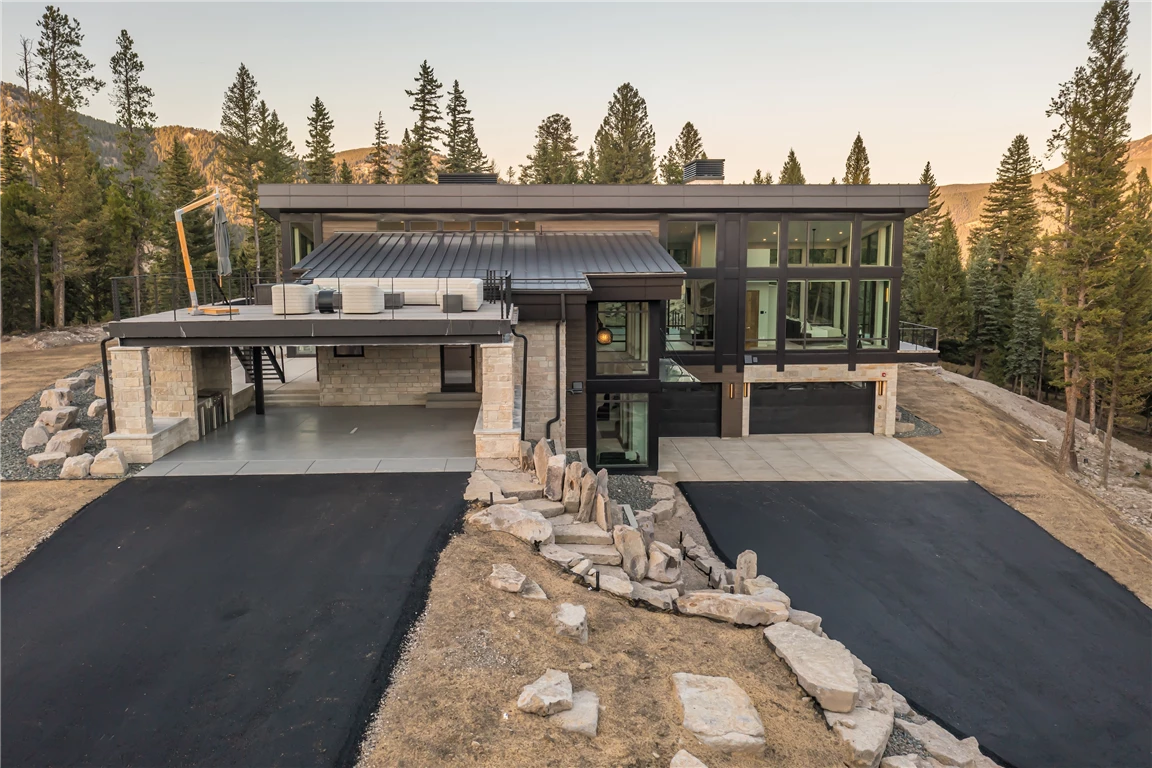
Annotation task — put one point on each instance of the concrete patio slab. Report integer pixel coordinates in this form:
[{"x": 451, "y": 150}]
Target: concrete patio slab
[
  {"x": 411, "y": 465},
  {"x": 194, "y": 468},
  {"x": 276, "y": 467},
  {"x": 342, "y": 466}
]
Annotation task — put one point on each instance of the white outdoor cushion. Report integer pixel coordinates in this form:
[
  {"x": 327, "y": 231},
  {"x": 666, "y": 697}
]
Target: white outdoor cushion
[
  {"x": 416, "y": 290},
  {"x": 361, "y": 299},
  {"x": 293, "y": 299}
]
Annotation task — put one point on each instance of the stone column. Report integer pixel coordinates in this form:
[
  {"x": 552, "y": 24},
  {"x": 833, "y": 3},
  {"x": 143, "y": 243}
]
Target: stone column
[
  {"x": 497, "y": 405},
  {"x": 173, "y": 382},
  {"x": 131, "y": 390}
]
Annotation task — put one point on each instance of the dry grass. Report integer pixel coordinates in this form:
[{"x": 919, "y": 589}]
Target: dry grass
[
  {"x": 453, "y": 701},
  {"x": 988, "y": 446},
  {"x": 24, "y": 372},
  {"x": 31, "y": 510}
]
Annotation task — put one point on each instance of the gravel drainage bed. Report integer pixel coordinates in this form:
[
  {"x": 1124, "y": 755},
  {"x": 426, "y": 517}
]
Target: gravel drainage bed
[
  {"x": 923, "y": 428},
  {"x": 630, "y": 490}
]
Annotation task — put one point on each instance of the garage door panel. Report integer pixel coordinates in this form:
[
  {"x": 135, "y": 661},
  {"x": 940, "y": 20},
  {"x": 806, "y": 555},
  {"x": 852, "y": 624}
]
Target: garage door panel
[
  {"x": 690, "y": 411},
  {"x": 811, "y": 408}
]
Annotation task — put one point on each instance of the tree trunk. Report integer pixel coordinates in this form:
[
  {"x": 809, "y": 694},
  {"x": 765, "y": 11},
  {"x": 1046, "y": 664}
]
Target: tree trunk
[
  {"x": 976, "y": 365},
  {"x": 36, "y": 283},
  {"x": 256, "y": 237},
  {"x": 1040, "y": 374},
  {"x": 1092, "y": 407},
  {"x": 57, "y": 285}
]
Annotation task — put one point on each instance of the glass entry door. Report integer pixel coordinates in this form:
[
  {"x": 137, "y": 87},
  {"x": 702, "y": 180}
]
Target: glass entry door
[{"x": 457, "y": 369}]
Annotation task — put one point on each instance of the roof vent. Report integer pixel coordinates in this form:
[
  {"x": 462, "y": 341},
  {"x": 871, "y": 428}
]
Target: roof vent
[
  {"x": 704, "y": 171},
  {"x": 466, "y": 178}
]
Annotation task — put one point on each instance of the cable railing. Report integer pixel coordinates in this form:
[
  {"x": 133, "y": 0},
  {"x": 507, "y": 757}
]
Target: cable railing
[
  {"x": 156, "y": 293},
  {"x": 918, "y": 338}
]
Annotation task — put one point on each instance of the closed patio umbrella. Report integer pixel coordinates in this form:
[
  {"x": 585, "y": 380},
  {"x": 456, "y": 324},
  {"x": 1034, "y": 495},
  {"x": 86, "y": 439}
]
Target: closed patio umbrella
[{"x": 223, "y": 241}]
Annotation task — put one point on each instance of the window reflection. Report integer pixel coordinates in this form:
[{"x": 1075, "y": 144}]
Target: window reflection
[
  {"x": 816, "y": 316},
  {"x": 622, "y": 429},
  {"x": 876, "y": 244},
  {"x": 819, "y": 243},
  {"x": 692, "y": 243},
  {"x": 763, "y": 243},
  {"x": 690, "y": 321},
  {"x": 873, "y": 314},
  {"x": 621, "y": 338},
  {"x": 760, "y": 315}
]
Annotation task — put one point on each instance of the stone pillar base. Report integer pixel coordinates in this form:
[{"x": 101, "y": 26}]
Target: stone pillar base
[{"x": 168, "y": 435}]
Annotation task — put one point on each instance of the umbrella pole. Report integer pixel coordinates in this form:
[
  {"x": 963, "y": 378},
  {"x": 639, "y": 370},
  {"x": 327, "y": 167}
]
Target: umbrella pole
[{"x": 195, "y": 308}]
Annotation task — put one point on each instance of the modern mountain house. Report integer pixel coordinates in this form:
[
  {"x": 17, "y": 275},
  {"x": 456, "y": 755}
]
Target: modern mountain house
[{"x": 602, "y": 317}]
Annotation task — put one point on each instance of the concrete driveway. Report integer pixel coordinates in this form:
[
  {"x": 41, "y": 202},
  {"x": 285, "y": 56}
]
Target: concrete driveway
[
  {"x": 968, "y": 608},
  {"x": 246, "y": 621}
]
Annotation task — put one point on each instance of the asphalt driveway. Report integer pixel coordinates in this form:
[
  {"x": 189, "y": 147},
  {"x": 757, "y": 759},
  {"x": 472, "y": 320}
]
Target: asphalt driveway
[
  {"x": 965, "y": 606},
  {"x": 224, "y": 621}
]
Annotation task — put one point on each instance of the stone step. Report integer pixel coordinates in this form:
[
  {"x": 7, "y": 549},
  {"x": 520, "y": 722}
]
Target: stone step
[
  {"x": 546, "y": 507},
  {"x": 598, "y": 554},
  {"x": 469, "y": 400},
  {"x": 522, "y": 485},
  {"x": 582, "y": 533}
]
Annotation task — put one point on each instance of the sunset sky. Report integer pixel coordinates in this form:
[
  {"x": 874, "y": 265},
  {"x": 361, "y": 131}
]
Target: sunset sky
[{"x": 946, "y": 82}]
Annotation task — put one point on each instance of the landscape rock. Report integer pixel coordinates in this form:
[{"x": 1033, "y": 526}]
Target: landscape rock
[
  {"x": 70, "y": 442},
  {"x": 719, "y": 713},
  {"x": 908, "y": 761},
  {"x": 74, "y": 384},
  {"x": 507, "y": 578},
  {"x": 61, "y": 397},
  {"x": 616, "y": 585},
  {"x": 713, "y": 568},
  {"x": 482, "y": 488},
  {"x": 745, "y": 568},
  {"x": 600, "y": 512},
  {"x": 549, "y": 694},
  {"x": 773, "y": 594},
  {"x": 900, "y": 704},
  {"x": 598, "y": 553},
  {"x": 559, "y": 555},
  {"x": 646, "y": 524},
  {"x": 582, "y": 567},
  {"x": 573, "y": 476},
  {"x": 513, "y": 519},
  {"x": 944, "y": 747},
  {"x": 758, "y": 584},
  {"x": 809, "y": 621},
  {"x": 685, "y": 759},
  {"x": 694, "y": 551},
  {"x": 661, "y": 599},
  {"x": 38, "y": 460},
  {"x": 554, "y": 477},
  {"x": 663, "y": 491},
  {"x": 582, "y": 533},
  {"x": 522, "y": 485},
  {"x": 630, "y": 544},
  {"x": 662, "y": 511},
  {"x": 584, "y": 717},
  {"x": 104, "y": 428},
  {"x": 823, "y": 667},
  {"x": 674, "y": 586},
  {"x": 540, "y": 455},
  {"x": 34, "y": 437},
  {"x": 533, "y": 591},
  {"x": 58, "y": 418},
  {"x": 571, "y": 621},
  {"x": 545, "y": 507},
  {"x": 742, "y": 610},
  {"x": 76, "y": 467},
  {"x": 663, "y": 562},
  {"x": 587, "y": 498},
  {"x": 97, "y": 408},
  {"x": 110, "y": 462},
  {"x": 100, "y": 391},
  {"x": 865, "y": 732},
  {"x": 86, "y": 376}
]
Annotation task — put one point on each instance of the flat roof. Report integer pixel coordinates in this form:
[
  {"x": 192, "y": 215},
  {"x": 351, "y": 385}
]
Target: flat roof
[{"x": 604, "y": 198}]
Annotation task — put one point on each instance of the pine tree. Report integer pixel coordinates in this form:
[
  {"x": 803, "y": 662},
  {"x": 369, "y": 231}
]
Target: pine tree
[
  {"x": 688, "y": 147},
  {"x": 943, "y": 291},
  {"x": 762, "y": 178},
  {"x": 417, "y": 164},
  {"x": 554, "y": 158},
  {"x": 1088, "y": 199},
  {"x": 986, "y": 317},
  {"x": 65, "y": 79},
  {"x": 11, "y": 164},
  {"x": 463, "y": 150},
  {"x": 1010, "y": 218},
  {"x": 344, "y": 174},
  {"x": 410, "y": 165},
  {"x": 856, "y": 169},
  {"x": 589, "y": 168},
  {"x": 379, "y": 172},
  {"x": 320, "y": 162},
  {"x": 1022, "y": 356},
  {"x": 625, "y": 141},
  {"x": 181, "y": 183},
  {"x": 278, "y": 164},
  {"x": 920, "y": 230},
  {"x": 31, "y": 117},
  {"x": 239, "y": 148},
  {"x": 791, "y": 173}
]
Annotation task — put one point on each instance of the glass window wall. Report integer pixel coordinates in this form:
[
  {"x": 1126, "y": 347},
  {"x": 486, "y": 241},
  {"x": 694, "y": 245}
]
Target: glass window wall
[
  {"x": 763, "y": 243},
  {"x": 521, "y": 226},
  {"x": 692, "y": 243},
  {"x": 876, "y": 244},
  {"x": 690, "y": 321},
  {"x": 457, "y": 226},
  {"x": 389, "y": 226},
  {"x": 621, "y": 429},
  {"x": 873, "y": 314},
  {"x": 816, "y": 315},
  {"x": 760, "y": 314},
  {"x": 621, "y": 338},
  {"x": 423, "y": 226},
  {"x": 819, "y": 243},
  {"x": 489, "y": 226}
]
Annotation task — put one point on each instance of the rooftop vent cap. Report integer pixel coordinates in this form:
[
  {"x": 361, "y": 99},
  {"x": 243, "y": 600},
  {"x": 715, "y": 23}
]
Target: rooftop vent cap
[
  {"x": 466, "y": 178},
  {"x": 704, "y": 171}
]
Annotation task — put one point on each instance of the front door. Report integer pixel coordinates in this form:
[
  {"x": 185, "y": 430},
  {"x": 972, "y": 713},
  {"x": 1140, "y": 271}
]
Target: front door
[
  {"x": 457, "y": 370},
  {"x": 751, "y": 316}
]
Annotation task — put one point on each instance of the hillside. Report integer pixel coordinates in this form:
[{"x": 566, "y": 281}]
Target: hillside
[{"x": 963, "y": 201}]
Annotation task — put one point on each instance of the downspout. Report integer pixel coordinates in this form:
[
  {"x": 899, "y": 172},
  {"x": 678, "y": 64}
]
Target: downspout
[
  {"x": 107, "y": 384},
  {"x": 523, "y": 382},
  {"x": 559, "y": 381}
]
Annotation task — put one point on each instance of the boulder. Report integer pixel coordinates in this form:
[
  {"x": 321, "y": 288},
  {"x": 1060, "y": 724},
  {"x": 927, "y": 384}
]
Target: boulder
[
  {"x": 582, "y": 567},
  {"x": 584, "y": 717},
  {"x": 100, "y": 390},
  {"x": 532, "y": 591},
  {"x": 587, "y": 498},
  {"x": 598, "y": 554},
  {"x": 582, "y": 533},
  {"x": 662, "y": 511},
  {"x": 600, "y": 512},
  {"x": 506, "y": 578},
  {"x": 647, "y": 526},
  {"x": 809, "y": 621},
  {"x": 526, "y": 456},
  {"x": 104, "y": 428},
  {"x": 630, "y": 544},
  {"x": 944, "y": 747},
  {"x": 694, "y": 551},
  {"x": 545, "y": 507},
  {"x": 110, "y": 462},
  {"x": 745, "y": 568},
  {"x": 549, "y": 694},
  {"x": 70, "y": 442},
  {"x": 719, "y": 713},
  {"x": 908, "y": 761},
  {"x": 822, "y": 666},
  {"x": 97, "y": 408},
  {"x": 663, "y": 490},
  {"x": 61, "y": 397},
  {"x": 58, "y": 418},
  {"x": 685, "y": 759},
  {"x": 34, "y": 437},
  {"x": 86, "y": 376},
  {"x": 758, "y": 584},
  {"x": 612, "y": 584},
  {"x": 866, "y": 733},
  {"x": 573, "y": 476},
  {"x": 76, "y": 467},
  {"x": 769, "y": 593},
  {"x": 899, "y": 704},
  {"x": 482, "y": 488},
  {"x": 660, "y": 599},
  {"x": 713, "y": 568},
  {"x": 663, "y": 562},
  {"x": 571, "y": 621},
  {"x": 74, "y": 384},
  {"x": 522, "y": 485},
  {"x": 38, "y": 460},
  {"x": 559, "y": 555},
  {"x": 675, "y": 586},
  {"x": 540, "y": 455},
  {"x": 554, "y": 477},
  {"x": 743, "y": 610},
  {"x": 514, "y": 519}
]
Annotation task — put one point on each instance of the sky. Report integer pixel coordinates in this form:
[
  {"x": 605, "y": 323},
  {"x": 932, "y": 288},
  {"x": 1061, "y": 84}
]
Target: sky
[{"x": 950, "y": 83}]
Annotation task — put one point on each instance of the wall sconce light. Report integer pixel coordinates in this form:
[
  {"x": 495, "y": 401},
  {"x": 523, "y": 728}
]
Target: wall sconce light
[
  {"x": 577, "y": 388},
  {"x": 881, "y": 386},
  {"x": 604, "y": 336},
  {"x": 731, "y": 391}
]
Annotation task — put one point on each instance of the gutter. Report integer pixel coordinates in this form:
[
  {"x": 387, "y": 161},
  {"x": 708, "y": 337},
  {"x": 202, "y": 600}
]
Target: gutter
[
  {"x": 107, "y": 383},
  {"x": 523, "y": 382},
  {"x": 559, "y": 380}
]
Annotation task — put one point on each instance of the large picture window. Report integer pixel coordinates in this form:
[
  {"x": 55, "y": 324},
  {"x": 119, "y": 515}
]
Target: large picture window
[
  {"x": 816, "y": 315},
  {"x": 819, "y": 243},
  {"x": 621, "y": 338},
  {"x": 692, "y": 243},
  {"x": 760, "y": 314},
  {"x": 622, "y": 429},
  {"x": 873, "y": 314},
  {"x": 876, "y": 244},
  {"x": 690, "y": 321},
  {"x": 763, "y": 243}
]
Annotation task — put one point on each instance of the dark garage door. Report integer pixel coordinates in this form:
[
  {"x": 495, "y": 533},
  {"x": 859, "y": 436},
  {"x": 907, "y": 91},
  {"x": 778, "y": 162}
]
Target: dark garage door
[
  {"x": 690, "y": 410},
  {"x": 831, "y": 406}
]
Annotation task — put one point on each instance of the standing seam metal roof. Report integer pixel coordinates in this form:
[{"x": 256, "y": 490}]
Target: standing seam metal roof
[{"x": 546, "y": 261}]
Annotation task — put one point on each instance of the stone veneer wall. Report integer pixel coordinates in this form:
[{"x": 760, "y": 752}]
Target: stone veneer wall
[
  {"x": 497, "y": 432},
  {"x": 386, "y": 375},
  {"x": 131, "y": 389},
  {"x": 173, "y": 382},
  {"x": 884, "y": 415},
  {"x": 540, "y": 399}
]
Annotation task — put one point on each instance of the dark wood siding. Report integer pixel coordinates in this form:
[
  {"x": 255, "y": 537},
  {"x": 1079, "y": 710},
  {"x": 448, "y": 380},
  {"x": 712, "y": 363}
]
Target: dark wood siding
[{"x": 576, "y": 360}]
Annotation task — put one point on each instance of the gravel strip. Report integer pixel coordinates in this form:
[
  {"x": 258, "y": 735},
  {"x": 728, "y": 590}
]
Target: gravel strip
[
  {"x": 923, "y": 428},
  {"x": 900, "y": 743},
  {"x": 631, "y": 490}
]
